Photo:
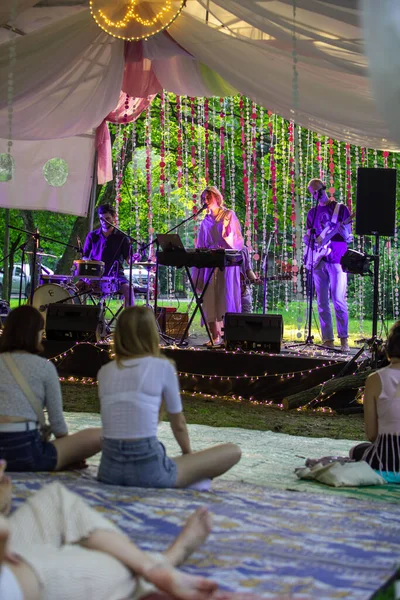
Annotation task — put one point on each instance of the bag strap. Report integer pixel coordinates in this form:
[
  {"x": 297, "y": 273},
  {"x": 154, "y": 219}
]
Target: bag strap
[{"x": 25, "y": 387}]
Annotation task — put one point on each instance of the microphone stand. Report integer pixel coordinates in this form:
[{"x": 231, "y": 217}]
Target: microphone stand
[
  {"x": 265, "y": 270},
  {"x": 36, "y": 238},
  {"x": 311, "y": 247}
]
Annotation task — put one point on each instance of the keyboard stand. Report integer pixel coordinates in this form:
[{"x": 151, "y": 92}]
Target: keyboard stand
[{"x": 199, "y": 302}]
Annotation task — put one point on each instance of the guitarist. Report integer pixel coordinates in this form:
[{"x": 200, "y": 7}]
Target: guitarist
[{"x": 329, "y": 278}]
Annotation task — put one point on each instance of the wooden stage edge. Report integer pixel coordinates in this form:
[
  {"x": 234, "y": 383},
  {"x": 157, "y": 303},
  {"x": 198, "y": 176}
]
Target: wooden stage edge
[{"x": 260, "y": 376}]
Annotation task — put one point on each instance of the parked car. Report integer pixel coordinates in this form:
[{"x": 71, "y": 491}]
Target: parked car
[
  {"x": 26, "y": 279},
  {"x": 139, "y": 279}
]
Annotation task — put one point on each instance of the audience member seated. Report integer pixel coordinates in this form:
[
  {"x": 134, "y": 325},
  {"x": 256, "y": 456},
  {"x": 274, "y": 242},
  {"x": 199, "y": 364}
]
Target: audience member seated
[
  {"x": 382, "y": 412},
  {"x": 56, "y": 547},
  {"x": 27, "y": 380},
  {"x": 131, "y": 389}
]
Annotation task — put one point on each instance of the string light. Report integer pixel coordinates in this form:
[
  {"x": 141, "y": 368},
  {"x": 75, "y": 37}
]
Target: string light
[{"x": 132, "y": 18}]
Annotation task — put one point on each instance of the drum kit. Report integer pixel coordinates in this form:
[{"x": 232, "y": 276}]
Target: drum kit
[{"x": 86, "y": 281}]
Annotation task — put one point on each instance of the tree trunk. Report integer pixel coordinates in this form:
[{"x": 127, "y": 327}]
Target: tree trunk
[
  {"x": 79, "y": 230},
  {"x": 313, "y": 395},
  {"x": 28, "y": 218},
  {"x": 6, "y": 250}
]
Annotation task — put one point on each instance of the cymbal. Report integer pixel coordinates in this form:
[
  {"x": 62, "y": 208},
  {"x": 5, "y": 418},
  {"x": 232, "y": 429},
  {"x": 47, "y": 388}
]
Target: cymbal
[
  {"x": 42, "y": 254},
  {"x": 143, "y": 264}
]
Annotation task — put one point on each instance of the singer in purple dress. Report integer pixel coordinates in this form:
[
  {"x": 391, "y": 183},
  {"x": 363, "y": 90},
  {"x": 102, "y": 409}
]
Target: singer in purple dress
[
  {"x": 220, "y": 228},
  {"x": 110, "y": 246}
]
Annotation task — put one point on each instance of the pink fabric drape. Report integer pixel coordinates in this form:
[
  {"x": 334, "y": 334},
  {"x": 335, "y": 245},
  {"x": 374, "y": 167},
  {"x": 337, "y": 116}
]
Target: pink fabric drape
[
  {"x": 127, "y": 110},
  {"x": 139, "y": 78}
]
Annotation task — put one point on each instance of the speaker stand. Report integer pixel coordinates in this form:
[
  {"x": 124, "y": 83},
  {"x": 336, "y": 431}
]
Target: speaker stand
[{"x": 375, "y": 343}]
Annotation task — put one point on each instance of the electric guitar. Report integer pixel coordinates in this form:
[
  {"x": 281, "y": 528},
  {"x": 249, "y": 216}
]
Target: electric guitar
[
  {"x": 323, "y": 248},
  {"x": 244, "y": 281}
]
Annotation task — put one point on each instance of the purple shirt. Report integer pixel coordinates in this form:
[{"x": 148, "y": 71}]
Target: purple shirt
[
  {"x": 322, "y": 219},
  {"x": 111, "y": 249}
]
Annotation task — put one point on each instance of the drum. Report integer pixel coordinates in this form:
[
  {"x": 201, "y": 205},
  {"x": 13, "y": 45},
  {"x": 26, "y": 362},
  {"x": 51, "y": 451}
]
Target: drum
[
  {"x": 51, "y": 292},
  {"x": 103, "y": 286},
  {"x": 356, "y": 263},
  {"x": 60, "y": 279},
  {"x": 88, "y": 268}
]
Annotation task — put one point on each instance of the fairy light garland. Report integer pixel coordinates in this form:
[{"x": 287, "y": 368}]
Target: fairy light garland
[
  {"x": 200, "y": 145},
  {"x": 185, "y": 122},
  {"x": 215, "y": 176},
  {"x": 135, "y": 179},
  {"x": 148, "y": 131},
  {"x": 193, "y": 160},
  {"x": 285, "y": 194},
  {"x": 162, "y": 146},
  {"x": 179, "y": 163},
  {"x": 245, "y": 178},
  {"x": 222, "y": 143},
  {"x": 207, "y": 139},
  {"x": 232, "y": 170},
  {"x": 254, "y": 241},
  {"x": 264, "y": 195},
  {"x": 348, "y": 177},
  {"x": 325, "y": 158},
  {"x": 272, "y": 168},
  {"x": 118, "y": 28}
]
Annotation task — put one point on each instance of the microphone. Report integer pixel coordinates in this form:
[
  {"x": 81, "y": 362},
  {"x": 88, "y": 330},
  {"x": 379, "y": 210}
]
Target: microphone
[
  {"x": 78, "y": 241},
  {"x": 204, "y": 207}
]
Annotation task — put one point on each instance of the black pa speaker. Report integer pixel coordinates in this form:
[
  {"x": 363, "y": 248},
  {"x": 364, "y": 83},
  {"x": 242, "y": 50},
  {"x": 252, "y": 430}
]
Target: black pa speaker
[
  {"x": 253, "y": 331},
  {"x": 73, "y": 322},
  {"x": 376, "y": 201}
]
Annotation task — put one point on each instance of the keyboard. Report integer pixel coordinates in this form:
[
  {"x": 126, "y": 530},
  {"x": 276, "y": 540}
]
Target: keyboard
[{"x": 200, "y": 258}]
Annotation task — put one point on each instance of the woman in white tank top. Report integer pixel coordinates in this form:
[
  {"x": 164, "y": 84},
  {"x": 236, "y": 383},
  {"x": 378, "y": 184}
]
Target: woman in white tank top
[{"x": 382, "y": 412}]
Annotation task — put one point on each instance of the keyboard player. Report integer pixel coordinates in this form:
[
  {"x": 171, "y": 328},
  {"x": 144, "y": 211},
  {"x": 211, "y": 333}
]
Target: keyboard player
[{"x": 220, "y": 228}]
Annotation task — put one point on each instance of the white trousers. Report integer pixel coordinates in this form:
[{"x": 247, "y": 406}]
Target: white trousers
[
  {"x": 46, "y": 531},
  {"x": 331, "y": 281}
]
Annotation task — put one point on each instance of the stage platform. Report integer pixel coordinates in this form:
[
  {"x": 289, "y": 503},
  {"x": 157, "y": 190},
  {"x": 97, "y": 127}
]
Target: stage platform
[{"x": 258, "y": 376}]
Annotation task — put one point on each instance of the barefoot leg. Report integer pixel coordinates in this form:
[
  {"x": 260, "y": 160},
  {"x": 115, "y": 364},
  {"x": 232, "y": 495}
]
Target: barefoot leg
[{"x": 193, "y": 535}]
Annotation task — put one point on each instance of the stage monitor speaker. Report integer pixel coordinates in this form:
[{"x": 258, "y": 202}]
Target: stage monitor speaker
[
  {"x": 73, "y": 322},
  {"x": 253, "y": 331},
  {"x": 376, "y": 201}
]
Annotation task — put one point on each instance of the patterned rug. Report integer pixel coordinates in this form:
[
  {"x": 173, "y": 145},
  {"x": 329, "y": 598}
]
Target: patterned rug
[
  {"x": 268, "y": 458},
  {"x": 265, "y": 541}
]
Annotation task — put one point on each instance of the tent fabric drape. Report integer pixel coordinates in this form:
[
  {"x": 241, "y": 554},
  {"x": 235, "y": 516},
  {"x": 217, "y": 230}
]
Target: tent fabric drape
[
  {"x": 28, "y": 189},
  {"x": 8, "y": 6},
  {"x": 334, "y": 90},
  {"x": 127, "y": 110},
  {"x": 382, "y": 44},
  {"x": 69, "y": 74},
  {"x": 67, "y": 77}
]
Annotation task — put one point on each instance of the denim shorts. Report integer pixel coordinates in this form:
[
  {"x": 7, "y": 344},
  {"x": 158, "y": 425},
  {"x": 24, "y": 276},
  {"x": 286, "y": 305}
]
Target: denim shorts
[
  {"x": 139, "y": 463},
  {"x": 25, "y": 451}
]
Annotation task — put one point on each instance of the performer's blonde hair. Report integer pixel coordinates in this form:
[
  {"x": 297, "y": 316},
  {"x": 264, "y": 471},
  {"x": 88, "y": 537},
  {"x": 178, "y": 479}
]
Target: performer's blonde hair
[
  {"x": 215, "y": 192},
  {"x": 136, "y": 334}
]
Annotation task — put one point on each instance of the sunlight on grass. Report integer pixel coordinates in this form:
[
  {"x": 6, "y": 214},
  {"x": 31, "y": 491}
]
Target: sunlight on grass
[{"x": 294, "y": 319}]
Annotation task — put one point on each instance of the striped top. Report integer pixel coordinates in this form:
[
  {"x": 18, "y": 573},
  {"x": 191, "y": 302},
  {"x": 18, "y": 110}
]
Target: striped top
[{"x": 384, "y": 454}]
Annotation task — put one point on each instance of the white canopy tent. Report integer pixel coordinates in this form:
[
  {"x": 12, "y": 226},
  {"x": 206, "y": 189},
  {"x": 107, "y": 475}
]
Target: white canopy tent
[{"x": 68, "y": 76}]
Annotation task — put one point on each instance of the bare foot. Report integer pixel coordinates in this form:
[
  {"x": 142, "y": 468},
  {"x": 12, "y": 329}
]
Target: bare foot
[
  {"x": 4, "y": 533},
  {"x": 180, "y": 585},
  {"x": 193, "y": 535},
  {"x": 5, "y": 490}
]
